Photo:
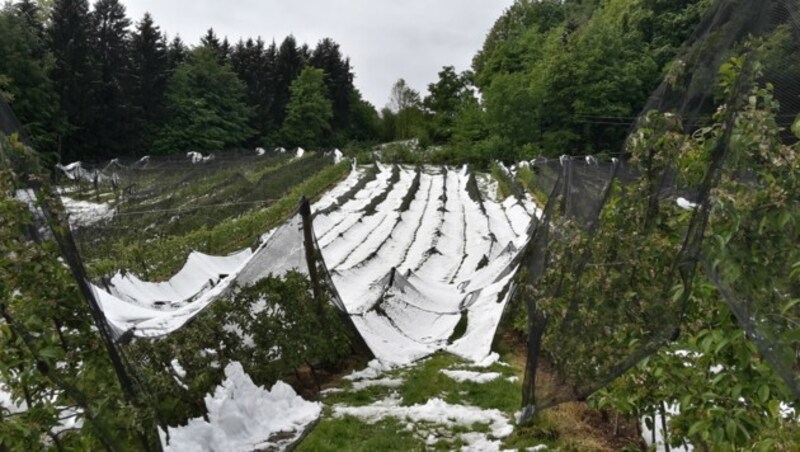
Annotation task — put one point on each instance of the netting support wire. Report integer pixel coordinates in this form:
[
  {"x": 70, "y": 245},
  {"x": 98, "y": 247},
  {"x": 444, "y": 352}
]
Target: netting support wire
[{"x": 535, "y": 259}]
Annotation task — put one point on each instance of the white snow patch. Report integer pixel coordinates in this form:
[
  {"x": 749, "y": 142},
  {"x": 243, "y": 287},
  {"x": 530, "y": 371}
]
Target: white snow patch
[
  {"x": 85, "y": 213},
  {"x": 386, "y": 382},
  {"x": 685, "y": 204},
  {"x": 179, "y": 370},
  {"x": 647, "y": 433},
  {"x": 474, "y": 377},
  {"x": 373, "y": 370},
  {"x": 243, "y": 417},
  {"x": 436, "y": 411}
]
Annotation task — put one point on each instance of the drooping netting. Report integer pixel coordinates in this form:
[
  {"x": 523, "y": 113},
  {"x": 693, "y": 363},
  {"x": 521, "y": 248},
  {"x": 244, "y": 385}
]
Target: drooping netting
[
  {"x": 35, "y": 235},
  {"x": 153, "y": 198},
  {"x": 705, "y": 189},
  {"x": 406, "y": 255}
]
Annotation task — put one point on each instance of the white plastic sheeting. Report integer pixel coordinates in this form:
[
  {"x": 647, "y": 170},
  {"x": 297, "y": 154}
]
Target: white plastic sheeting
[
  {"x": 436, "y": 248},
  {"x": 156, "y": 309},
  {"x": 407, "y": 278}
]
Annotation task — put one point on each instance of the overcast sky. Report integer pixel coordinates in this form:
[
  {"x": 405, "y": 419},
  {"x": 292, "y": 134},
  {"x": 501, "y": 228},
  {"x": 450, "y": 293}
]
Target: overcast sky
[{"x": 385, "y": 39}]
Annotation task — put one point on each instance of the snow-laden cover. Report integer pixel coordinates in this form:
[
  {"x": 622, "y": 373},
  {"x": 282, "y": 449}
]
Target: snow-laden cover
[
  {"x": 194, "y": 156},
  {"x": 73, "y": 171},
  {"x": 198, "y": 274},
  {"x": 407, "y": 278},
  {"x": 474, "y": 377},
  {"x": 245, "y": 417},
  {"x": 148, "y": 320},
  {"x": 86, "y": 213},
  {"x": 685, "y": 204}
]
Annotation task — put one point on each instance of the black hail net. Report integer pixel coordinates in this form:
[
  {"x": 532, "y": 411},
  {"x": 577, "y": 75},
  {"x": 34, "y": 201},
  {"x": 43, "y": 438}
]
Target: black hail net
[{"x": 594, "y": 309}]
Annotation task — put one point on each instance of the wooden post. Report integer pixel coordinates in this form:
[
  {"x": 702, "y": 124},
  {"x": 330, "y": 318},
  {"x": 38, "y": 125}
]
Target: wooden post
[{"x": 308, "y": 241}]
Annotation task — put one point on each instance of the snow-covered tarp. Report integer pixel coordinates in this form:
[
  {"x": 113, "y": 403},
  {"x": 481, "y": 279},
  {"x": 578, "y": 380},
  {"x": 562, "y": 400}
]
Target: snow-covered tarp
[
  {"x": 245, "y": 417},
  {"x": 411, "y": 254},
  {"x": 408, "y": 277},
  {"x": 156, "y": 309}
]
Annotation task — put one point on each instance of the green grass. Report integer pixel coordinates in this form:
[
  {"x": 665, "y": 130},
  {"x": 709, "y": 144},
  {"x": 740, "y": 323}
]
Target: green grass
[
  {"x": 361, "y": 397},
  {"x": 421, "y": 383},
  {"x": 503, "y": 188},
  {"x": 352, "y": 434},
  {"x": 425, "y": 381}
]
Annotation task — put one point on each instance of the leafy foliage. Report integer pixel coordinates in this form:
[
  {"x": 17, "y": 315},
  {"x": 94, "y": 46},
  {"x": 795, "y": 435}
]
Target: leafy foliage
[
  {"x": 309, "y": 112},
  {"x": 206, "y": 106},
  {"x": 51, "y": 357},
  {"x": 273, "y": 328}
]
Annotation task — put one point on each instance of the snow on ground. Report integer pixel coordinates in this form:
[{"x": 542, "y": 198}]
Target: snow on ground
[
  {"x": 385, "y": 382},
  {"x": 475, "y": 377},
  {"x": 85, "y": 213},
  {"x": 245, "y": 417},
  {"x": 438, "y": 412}
]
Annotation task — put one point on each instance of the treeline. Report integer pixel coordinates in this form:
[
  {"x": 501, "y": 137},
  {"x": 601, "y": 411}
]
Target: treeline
[
  {"x": 90, "y": 84},
  {"x": 553, "y": 77}
]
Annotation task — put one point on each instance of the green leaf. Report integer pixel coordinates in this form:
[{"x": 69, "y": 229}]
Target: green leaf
[
  {"x": 763, "y": 393},
  {"x": 730, "y": 430},
  {"x": 796, "y": 127}
]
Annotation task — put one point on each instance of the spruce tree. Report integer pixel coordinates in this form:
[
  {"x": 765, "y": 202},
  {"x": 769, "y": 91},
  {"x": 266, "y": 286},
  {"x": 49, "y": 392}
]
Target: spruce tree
[
  {"x": 309, "y": 113},
  {"x": 177, "y": 53},
  {"x": 254, "y": 66},
  {"x": 220, "y": 48},
  {"x": 23, "y": 65},
  {"x": 32, "y": 13},
  {"x": 338, "y": 79},
  {"x": 112, "y": 113},
  {"x": 289, "y": 63},
  {"x": 206, "y": 107},
  {"x": 148, "y": 80},
  {"x": 69, "y": 37}
]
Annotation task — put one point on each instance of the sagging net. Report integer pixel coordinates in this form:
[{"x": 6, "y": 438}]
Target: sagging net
[
  {"x": 125, "y": 205},
  {"x": 55, "y": 331},
  {"x": 704, "y": 192},
  {"x": 383, "y": 281}
]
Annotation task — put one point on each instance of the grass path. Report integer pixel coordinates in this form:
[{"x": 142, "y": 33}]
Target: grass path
[{"x": 421, "y": 408}]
